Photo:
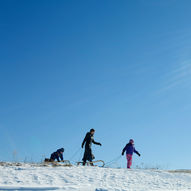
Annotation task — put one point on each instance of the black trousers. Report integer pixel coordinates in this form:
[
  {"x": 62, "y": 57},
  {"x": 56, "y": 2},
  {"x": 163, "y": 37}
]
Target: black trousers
[
  {"x": 53, "y": 157},
  {"x": 88, "y": 155}
]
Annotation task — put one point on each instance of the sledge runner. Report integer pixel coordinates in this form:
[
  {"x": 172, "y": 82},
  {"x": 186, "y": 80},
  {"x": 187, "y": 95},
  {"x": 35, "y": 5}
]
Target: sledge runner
[
  {"x": 57, "y": 155},
  {"x": 88, "y": 140},
  {"x": 130, "y": 149}
]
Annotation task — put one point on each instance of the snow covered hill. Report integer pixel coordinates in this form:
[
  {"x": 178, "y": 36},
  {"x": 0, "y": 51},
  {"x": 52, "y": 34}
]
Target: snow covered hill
[{"x": 27, "y": 177}]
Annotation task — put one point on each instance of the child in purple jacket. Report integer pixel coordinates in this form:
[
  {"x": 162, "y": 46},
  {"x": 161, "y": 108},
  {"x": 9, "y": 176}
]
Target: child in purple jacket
[{"x": 130, "y": 149}]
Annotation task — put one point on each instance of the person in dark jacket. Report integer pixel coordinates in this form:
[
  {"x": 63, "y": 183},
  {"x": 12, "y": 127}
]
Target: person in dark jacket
[
  {"x": 88, "y": 140},
  {"x": 57, "y": 155},
  {"x": 130, "y": 149}
]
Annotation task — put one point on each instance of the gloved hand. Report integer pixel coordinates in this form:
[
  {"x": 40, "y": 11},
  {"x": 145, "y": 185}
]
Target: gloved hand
[
  {"x": 122, "y": 154},
  {"x": 100, "y": 144},
  {"x": 139, "y": 154},
  {"x": 82, "y": 146}
]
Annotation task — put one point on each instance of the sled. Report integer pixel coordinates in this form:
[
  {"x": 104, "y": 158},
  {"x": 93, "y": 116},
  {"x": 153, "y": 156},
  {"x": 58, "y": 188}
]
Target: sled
[
  {"x": 64, "y": 163},
  {"x": 101, "y": 162}
]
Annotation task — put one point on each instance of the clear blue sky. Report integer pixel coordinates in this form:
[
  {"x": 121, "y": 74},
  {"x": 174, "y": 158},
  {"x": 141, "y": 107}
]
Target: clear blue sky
[{"x": 121, "y": 67}]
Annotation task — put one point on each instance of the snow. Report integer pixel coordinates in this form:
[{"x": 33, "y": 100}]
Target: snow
[{"x": 27, "y": 177}]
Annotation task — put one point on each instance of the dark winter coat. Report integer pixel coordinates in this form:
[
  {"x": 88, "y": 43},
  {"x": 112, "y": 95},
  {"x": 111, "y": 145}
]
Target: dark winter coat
[
  {"x": 57, "y": 155},
  {"x": 88, "y": 140},
  {"x": 130, "y": 149}
]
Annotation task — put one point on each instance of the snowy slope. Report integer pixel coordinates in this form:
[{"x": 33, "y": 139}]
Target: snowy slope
[{"x": 91, "y": 179}]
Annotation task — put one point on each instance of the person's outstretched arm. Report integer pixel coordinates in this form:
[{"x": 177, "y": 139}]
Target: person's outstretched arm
[
  {"x": 124, "y": 149},
  {"x": 96, "y": 143},
  {"x": 135, "y": 151},
  {"x": 85, "y": 139},
  {"x": 61, "y": 157},
  {"x": 57, "y": 158}
]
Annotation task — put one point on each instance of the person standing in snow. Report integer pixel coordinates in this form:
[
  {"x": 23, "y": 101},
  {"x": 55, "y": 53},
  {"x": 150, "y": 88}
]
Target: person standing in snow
[
  {"x": 57, "y": 155},
  {"x": 130, "y": 149},
  {"x": 88, "y": 140}
]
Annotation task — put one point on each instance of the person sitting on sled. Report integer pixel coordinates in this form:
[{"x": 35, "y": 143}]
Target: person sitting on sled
[
  {"x": 88, "y": 140},
  {"x": 57, "y": 155},
  {"x": 130, "y": 149}
]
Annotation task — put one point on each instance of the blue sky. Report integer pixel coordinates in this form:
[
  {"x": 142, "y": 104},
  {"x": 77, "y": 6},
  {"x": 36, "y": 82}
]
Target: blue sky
[{"x": 121, "y": 67}]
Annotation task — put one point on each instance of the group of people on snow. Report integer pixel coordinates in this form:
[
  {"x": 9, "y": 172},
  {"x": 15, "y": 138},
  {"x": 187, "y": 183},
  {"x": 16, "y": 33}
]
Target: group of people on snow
[{"x": 88, "y": 155}]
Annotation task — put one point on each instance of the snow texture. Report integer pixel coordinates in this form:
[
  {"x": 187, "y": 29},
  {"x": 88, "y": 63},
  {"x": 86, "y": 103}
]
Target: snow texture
[{"x": 91, "y": 179}]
